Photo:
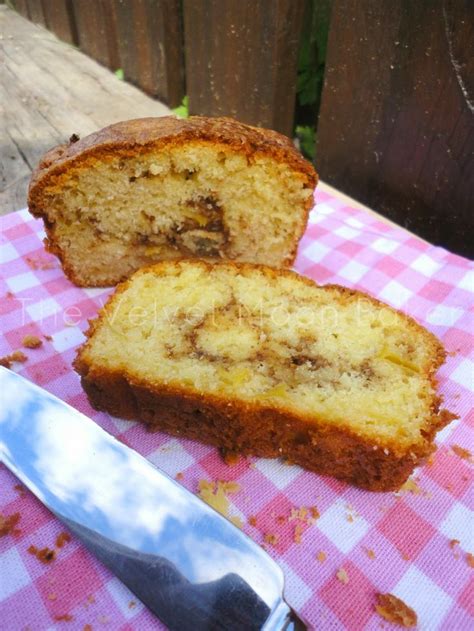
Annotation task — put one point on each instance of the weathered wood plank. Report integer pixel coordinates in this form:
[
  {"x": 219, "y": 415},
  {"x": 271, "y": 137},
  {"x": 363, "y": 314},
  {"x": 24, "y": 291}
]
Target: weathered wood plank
[
  {"x": 37, "y": 85},
  {"x": 14, "y": 170},
  {"x": 396, "y": 126},
  {"x": 241, "y": 59},
  {"x": 150, "y": 42},
  {"x": 59, "y": 16},
  {"x": 49, "y": 90},
  {"x": 14, "y": 175},
  {"x": 27, "y": 126}
]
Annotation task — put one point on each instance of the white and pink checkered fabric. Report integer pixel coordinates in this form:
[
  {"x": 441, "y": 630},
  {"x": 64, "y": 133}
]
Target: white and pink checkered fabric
[{"x": 411, "y": 535}]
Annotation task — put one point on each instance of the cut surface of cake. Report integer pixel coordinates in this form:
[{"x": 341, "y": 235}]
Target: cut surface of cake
[
  {"x": 153, "y": 189},
  {"x": 262, "y": 361}
]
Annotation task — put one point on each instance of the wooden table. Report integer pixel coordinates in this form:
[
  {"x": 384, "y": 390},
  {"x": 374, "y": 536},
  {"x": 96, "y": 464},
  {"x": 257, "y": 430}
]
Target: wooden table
[{"x": 49, "y": 90}]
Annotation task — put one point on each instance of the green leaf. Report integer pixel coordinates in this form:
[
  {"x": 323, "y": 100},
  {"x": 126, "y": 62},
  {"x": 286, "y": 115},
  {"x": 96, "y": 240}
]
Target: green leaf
[
  {"x": 306, "y": 134},
  {"x": 312, "y": 52},
  {"x": 120, "y": 74},
  {"x": 182, "y": 111}
]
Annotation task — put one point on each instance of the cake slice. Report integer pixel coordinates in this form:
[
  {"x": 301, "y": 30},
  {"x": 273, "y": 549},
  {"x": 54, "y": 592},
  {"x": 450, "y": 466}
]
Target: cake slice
[
  {"x": 262, "y": 361},
  {"x": 156, "y": 189}
]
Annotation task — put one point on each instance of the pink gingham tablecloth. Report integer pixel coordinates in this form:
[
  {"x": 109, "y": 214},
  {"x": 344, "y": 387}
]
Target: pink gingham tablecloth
[{"x": 415, "y": 544}]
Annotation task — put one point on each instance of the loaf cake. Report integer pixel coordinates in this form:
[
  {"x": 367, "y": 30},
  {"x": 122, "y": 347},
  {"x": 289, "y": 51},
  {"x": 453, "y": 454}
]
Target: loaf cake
[
  {"x": 154, "y": 189},
  {"x": 262, "y": 361}
]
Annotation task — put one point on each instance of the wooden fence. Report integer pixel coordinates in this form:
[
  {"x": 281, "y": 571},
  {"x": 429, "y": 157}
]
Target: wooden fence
[{"x": 396, "y": 125}]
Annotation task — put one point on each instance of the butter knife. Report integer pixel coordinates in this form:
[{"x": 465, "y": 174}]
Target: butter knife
[{"x": 189, "y": 565}]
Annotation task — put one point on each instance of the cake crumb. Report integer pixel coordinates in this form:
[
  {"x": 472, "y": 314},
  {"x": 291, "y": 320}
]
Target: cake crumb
[
  {"x": 349, "y": 517},
  {"x": 231, "y": 458},
  {"x": 48, "y": 338},
  {"x": 298, "y": 513},
  {"x": 132, "y": 604},
  {"x": 465, "y": 454},
  {"x": 17, "y": 356},
  {"x": 370, "y": 553},
  {"x": 314, "y": 512},
  {"x": 470, "y": 559},
  {"x": 270, "y": 538},
  {"x": 87, "y": 627},
  {"x": 321, "y": 556},
  {"x": 395, "y": 610},
  {"x": 342, "y": 576},
  {"x": 8, "y": 525},
  {"x": 65, "y": 617},
  {"x": 103, "y": 619},
  {"x": 230, "y": 487},
  {"x": 179, "y": 475},
  {"x": 411, "y": 486},
  {"x": 252, "y": 520},
  {"x": 38, "y": 263},
  {"x": 31, "y": 341},
  {"x": 45, "y": 555},
  {"x": 52, "y": 596},
  {"x": 298, "y": 533},
  {"x": 215, "y": 494},
  {"x": 20, "y": 489},
  {"x": 91, "y": 599},
  {"x": 453, "y": 543},
  {"x": 62, "y": 538}
]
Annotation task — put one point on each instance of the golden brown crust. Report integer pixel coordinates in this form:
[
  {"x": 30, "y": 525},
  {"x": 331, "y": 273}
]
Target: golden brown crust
[
  {"x": 252, "y": 430},
  {"x": 262, "y": 429},
  {"x": 130, "y": 138},
  {"x": 141, "y": 134}
]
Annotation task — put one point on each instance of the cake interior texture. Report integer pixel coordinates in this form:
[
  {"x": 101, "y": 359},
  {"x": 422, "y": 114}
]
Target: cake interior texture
[
  {"x": 113, "y": 214},
  {"x": 272, "y": 342}
]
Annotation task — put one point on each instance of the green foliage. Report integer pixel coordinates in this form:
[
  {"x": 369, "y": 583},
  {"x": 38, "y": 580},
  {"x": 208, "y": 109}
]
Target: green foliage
[
  {"x": 182, "y": 111},
  {"x": 120, "y": 74},
  {"x": 311, "y": 65},
  {"x": 306, "y": 135}
]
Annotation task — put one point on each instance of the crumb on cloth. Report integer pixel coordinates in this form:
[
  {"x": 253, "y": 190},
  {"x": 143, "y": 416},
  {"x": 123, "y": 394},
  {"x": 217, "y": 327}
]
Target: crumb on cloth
[
  {"x": 395, "y": 610},
  {"x": 17, "y": 356},
  {"x": 231, "y": 458},
  {"x": 215, "y": 494},
  {"x": 65, "y": 617},
  {"x": 342, "y": 576},
  {"x": 271, "y": 538},
  {"x": 45, "y": 555},
  {"x": 462, "y": 453},
  {"x": 8, "y": 524},
  {"x": 62, "y": 538},
  {"x": 37, "y": 263},
  {"x": 369, "y": 552},
  {"x": 31, "y": 341}
]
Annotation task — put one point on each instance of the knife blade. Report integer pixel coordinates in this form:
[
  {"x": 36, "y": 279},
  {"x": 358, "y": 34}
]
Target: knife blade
[{"x": 189, "y": 565}]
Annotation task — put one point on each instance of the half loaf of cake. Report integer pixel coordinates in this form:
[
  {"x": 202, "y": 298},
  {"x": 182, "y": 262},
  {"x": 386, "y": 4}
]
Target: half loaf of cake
[
  {"x": 154, "y": 189},
  {"x": 262, "y": 361}
]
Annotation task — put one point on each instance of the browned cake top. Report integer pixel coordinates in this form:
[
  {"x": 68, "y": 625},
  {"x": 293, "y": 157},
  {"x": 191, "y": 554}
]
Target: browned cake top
[{"x": 142, "y": 133}]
